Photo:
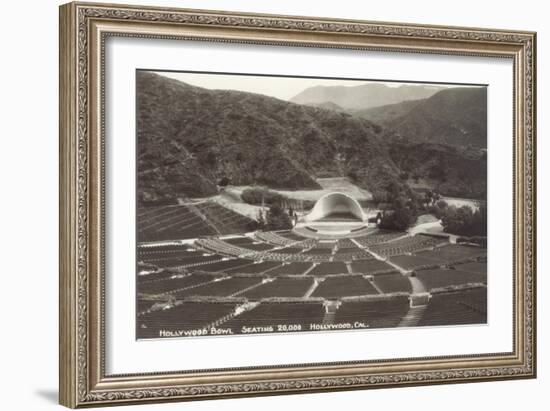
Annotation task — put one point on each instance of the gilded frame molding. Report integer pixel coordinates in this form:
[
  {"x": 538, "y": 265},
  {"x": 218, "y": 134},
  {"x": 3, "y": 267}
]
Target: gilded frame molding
[{"x": 83, "y": 30}]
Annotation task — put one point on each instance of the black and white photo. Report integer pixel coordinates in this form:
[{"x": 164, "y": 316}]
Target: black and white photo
[{"x": 273, "y": 204}]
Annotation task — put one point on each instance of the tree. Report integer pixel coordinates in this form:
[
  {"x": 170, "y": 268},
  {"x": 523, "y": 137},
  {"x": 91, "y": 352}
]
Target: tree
[
  {"x": 457, "y": 220},
  {"x": 428, "y": 198},
  {"x": 224, "y": 181},
  {"x": 290, "y": 211},
  {"x": 277, "y": 219},
  {"x": 403, "y": 215},
  {"x": 431, "y": 198},
  {"x": 352, "y": 174},
  {"x": 464, "y": 220},
  {"x": 442, "y": 204},
  {"x": 438, "y": 209},
  {"x": 261, "y": 219}
]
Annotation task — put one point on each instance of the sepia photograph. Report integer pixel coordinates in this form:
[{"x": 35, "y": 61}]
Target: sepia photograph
[{"x": 281, "y": 204}]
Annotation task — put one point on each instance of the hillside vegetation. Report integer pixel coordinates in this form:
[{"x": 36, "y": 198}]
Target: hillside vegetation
[
  {"x": 190, "y": 138},
  {"x": 455, "y": 117},
  {"x": 385, "y": 115},
  {"x": 447, "y": 170}
]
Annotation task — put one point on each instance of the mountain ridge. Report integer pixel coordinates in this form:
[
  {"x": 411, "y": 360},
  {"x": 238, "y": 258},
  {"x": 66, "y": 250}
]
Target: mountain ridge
[
  {"x": 456, "y": 116},
  {"x": 363, "y": 96}
]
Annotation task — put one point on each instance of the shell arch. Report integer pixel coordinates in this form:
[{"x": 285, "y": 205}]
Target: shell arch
[{"x": 333, "y": 204}]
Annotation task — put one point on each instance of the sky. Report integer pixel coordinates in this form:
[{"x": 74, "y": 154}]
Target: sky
[{"x": 283, "y": 88}]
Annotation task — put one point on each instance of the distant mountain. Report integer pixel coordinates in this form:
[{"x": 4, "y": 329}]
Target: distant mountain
[
  {"x": 455, "y": 116},
  {"x": 385, "y": 115},
  {"x": 189, "y": 138},
  {"x": 364, "y": 96}
]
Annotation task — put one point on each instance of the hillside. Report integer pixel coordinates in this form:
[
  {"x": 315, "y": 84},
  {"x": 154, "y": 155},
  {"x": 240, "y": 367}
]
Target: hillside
[
  {"x": 189, "y": 138},
  {"x": 386, "y": 114},
  {"x": 364, "y": 96},
  {"x": 455, "y": 116},
  {"x": 448, "y": 170},
  {"x": 328, "y": 105}
]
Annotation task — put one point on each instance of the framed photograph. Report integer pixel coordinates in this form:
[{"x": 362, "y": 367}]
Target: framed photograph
[{"x": 259, "y": 204}]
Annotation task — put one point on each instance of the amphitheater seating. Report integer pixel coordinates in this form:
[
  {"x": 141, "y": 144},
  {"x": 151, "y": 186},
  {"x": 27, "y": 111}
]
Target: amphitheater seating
[
  {"x": 291, "y": 236},
  {"x": 273, "y": 238},
  {"x": 347, "y": 250},
  {"x": 325, "y": 244},
  {"x": 393, "y": 283},
  {"x": 457, "y": 253},
  {"x": 371, "y": 266},
  {"x": 174, "y": 222},
  {"x": 319, "y": 251},
  {"x": 170, "y": 284},
  {"x": 257, "y": 268},
  {"x": 193, "y": 261},
  {"x": 290, "y": 250},
  {"x": 280, "y": 287},
  {"x": 155, "y": 216},
  {"x": 216, "y": 245},
  {"x": 430, "y": 255},
  {"x": 224, "y": 219},
  {"x": 239, "y": 240},
  {"x": 225, "y": 265},
  {"x": 161, "y": 275},
  {"x": 378, "y": 237},
  {"x": 144, "y": 305},
  {"x": 375, "y": 314},
  {"x": 413, "y": 262},
  {"x": 297, "y": 254},
  {"x": 183, "y": 316},
  {"x": 406, "y": 245},
  {"x": 258, "y": 247},
  {"x": 279, "y": 313},
  {"x": 296, "y": 257},
  {"x": 351, "y": 255},
  {"x": 329, "y": 268},
  {"x": 346, "y": 243},
  {"x": 344, "y": 286},
  {"x": 463, "y": 307},
  {"x": 152, "y": 252},
  {"x": 473, "y": 267},
  {"x": 222, "y": 288},
  {"x": 248, "y": 243},
  {"x": 295, "y": 268},
  {"x": 274, "y": 271},
  {"x": 171, "y": 255},
  {"x": 189, "y": 221},
  {"x": 441, "y": 278}
]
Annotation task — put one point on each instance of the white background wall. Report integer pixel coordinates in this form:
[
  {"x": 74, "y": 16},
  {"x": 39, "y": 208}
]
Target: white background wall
[{"x": 28, "y": 207}]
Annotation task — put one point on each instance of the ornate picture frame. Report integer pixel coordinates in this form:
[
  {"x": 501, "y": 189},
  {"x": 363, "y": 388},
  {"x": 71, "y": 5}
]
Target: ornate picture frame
[{"x": 84, "y": 29}]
